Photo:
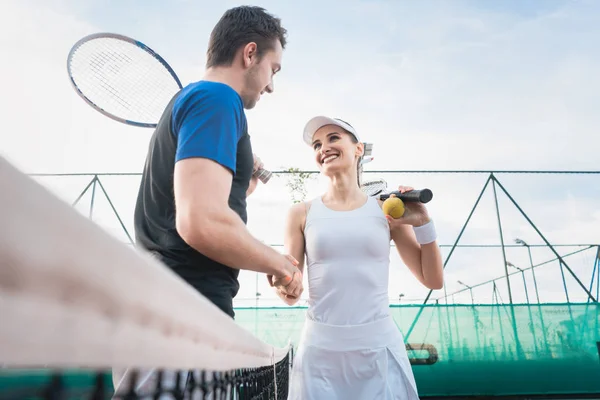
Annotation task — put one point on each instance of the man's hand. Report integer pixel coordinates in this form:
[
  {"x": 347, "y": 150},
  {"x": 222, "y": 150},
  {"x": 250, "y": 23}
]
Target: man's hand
[
  {"x": 287, "y": 299},
  {"x": 258, "y": 164},
  {"x": 289, "y": 280}
]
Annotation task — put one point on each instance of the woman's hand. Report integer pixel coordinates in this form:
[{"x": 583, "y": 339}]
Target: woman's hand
[
  {"x": 290, "y": 287},
  {"x": 287, "y": 298},
  {"x": 415, "y": 213},
  {"x": 282, "y": 291}
]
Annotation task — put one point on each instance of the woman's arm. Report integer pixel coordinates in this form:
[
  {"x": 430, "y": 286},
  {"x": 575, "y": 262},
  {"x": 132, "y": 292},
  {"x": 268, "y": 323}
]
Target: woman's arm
[
  {"x": 423, "y": 260},
  {"x": 293, "y": 241}
]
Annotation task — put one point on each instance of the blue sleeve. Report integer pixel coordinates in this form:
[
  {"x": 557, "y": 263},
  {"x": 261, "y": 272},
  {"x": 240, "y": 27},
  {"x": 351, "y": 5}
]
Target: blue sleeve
[{"x": 207, "y": 123}]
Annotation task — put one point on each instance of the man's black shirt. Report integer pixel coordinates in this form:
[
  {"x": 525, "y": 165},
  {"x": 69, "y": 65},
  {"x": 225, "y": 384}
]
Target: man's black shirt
[{"x": 154, "y": 218}]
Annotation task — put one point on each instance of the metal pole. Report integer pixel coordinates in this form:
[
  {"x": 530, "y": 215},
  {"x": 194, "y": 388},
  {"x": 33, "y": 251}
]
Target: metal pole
[
  {"x": 83, "y": 191},
  {"x": 525, "y": 285},
  {"x": 537, "y": 295},
  {"x": 510, "y": 300},
  {"x": 114, "y": 210},
  {"x": 594, "y": 273},
  {"x": 562, "y": 274},
  {"x": 598, "y": 274},
  {"x": 93, "y": 197}
]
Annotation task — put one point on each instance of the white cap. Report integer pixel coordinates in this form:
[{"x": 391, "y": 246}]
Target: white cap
[{"x": 320, "y": 121}]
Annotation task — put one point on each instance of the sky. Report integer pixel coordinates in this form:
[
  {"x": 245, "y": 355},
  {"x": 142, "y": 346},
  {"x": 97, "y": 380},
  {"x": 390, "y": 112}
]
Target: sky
[{"x": 435, "y": 85}]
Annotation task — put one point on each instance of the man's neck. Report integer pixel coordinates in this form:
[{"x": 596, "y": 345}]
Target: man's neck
[{"x": 226, "y": 76}]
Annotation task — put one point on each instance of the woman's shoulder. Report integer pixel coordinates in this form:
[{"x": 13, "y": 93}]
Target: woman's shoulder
[
  {"x": 299, "y": 211},
  {"x": 301, "y": 207}
]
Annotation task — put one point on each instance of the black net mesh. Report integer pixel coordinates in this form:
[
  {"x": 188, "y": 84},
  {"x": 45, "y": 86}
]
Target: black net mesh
[{"x": 264, "y": 383}]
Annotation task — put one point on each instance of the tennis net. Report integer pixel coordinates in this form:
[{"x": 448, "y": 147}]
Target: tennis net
[{"x": 82, "y": 313}]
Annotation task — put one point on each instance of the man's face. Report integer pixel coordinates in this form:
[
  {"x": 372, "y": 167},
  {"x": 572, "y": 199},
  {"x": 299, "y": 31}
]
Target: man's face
[{"x": 259, "y": 76}]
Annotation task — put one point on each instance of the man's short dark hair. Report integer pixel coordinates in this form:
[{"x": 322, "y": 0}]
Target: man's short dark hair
[{"x": 240, "y": 26}]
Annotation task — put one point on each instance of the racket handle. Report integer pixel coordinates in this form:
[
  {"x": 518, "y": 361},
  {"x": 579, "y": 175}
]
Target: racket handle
[
  {"x": 420, "y": 196},
  {"x": 263, "y": 175}
]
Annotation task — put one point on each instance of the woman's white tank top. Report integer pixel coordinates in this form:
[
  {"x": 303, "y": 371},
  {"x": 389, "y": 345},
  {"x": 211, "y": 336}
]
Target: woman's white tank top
[{"x": 347, "y": 257}]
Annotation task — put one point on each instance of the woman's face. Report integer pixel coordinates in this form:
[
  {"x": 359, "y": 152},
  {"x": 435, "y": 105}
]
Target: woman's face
[{"x": 335, "y": 150}]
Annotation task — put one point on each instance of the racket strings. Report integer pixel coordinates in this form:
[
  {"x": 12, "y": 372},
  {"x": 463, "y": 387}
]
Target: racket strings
[
  {"x": 102, "y": 92},
  {"x": 122, "y": 79},
  {"x": 140, "y": 80},
  {"x": 105, "y": 84},
  {"x": 97, "y": 65},
  {"x": 151, "y": 67},
  {"x": 374, "y": 188}
]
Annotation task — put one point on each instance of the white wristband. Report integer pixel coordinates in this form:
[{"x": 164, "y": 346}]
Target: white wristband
[{"x": 425, "y": 233}]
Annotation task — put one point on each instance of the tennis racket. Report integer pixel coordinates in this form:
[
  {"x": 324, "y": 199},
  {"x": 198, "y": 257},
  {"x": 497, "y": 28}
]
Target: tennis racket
[
  {"x": 125, "y": 80},
  {"x": 378, "y": 187}
]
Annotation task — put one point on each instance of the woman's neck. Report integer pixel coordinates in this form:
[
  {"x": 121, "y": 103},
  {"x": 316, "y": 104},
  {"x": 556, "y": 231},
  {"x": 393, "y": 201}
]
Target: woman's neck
[{"x": 344, "y": 190}]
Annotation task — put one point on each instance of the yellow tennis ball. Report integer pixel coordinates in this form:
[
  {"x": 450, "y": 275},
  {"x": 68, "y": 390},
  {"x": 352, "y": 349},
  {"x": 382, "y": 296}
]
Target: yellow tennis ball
[{"x": 393, "y": 207}]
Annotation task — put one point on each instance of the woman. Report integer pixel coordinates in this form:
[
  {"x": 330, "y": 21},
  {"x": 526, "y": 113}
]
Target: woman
[{"x": 350, "y": 346}]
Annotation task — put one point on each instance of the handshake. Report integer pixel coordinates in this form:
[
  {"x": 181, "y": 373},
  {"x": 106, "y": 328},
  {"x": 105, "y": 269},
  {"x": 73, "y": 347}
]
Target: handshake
[{"x": 288, "y": 282}]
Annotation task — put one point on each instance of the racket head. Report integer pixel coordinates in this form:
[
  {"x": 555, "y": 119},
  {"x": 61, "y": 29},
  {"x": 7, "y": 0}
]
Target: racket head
[
  {"x": 122, "y": 78},
  {"x": 374, "y": 188}
]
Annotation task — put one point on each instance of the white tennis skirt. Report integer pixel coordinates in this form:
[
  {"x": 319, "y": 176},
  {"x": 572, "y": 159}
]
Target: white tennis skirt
[{"x": 352, "y": 362}]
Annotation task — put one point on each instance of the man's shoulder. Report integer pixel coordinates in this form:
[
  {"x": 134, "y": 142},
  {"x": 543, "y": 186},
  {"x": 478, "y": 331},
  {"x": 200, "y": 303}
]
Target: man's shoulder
[
  {"x": 208, "y": 105},
  {"x": 209, "y": 94}
]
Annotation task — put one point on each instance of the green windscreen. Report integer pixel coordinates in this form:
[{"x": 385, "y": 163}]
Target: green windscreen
[{"x": 463, "y": 350}]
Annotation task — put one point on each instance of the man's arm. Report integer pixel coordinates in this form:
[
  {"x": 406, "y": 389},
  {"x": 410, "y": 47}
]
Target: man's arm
[{"x": 205, "y": 221}]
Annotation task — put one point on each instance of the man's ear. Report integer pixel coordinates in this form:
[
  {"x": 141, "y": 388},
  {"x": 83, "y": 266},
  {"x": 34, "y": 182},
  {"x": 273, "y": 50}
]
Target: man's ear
[{"x": 249, "y": 54}]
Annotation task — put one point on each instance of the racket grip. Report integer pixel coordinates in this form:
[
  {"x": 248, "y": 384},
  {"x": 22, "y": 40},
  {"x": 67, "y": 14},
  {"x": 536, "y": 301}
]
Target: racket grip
[
  {"x": 417, "y": 196},
  {"x": 263, "y": 175}
]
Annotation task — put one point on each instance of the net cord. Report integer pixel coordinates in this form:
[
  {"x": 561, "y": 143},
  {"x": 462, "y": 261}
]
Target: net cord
[{"x": 71, "y": 294}]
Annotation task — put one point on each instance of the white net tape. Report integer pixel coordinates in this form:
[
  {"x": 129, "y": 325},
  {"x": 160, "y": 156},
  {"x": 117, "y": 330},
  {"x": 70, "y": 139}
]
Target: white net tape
[{"x": 72, "y": 295}]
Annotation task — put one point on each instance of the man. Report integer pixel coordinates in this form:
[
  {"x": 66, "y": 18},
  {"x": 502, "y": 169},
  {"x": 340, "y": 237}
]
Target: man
[{"x": 191, "y": 206}]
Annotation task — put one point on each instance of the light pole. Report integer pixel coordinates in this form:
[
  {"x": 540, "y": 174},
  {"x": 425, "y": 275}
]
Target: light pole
[
  {"x": 509, "y": 264},
  {"x": 523, "y": 243},
  {"x": 470, "y": 290}
]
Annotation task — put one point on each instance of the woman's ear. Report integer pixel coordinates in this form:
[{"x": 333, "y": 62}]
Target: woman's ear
[{"x": 360, "y": 149}]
